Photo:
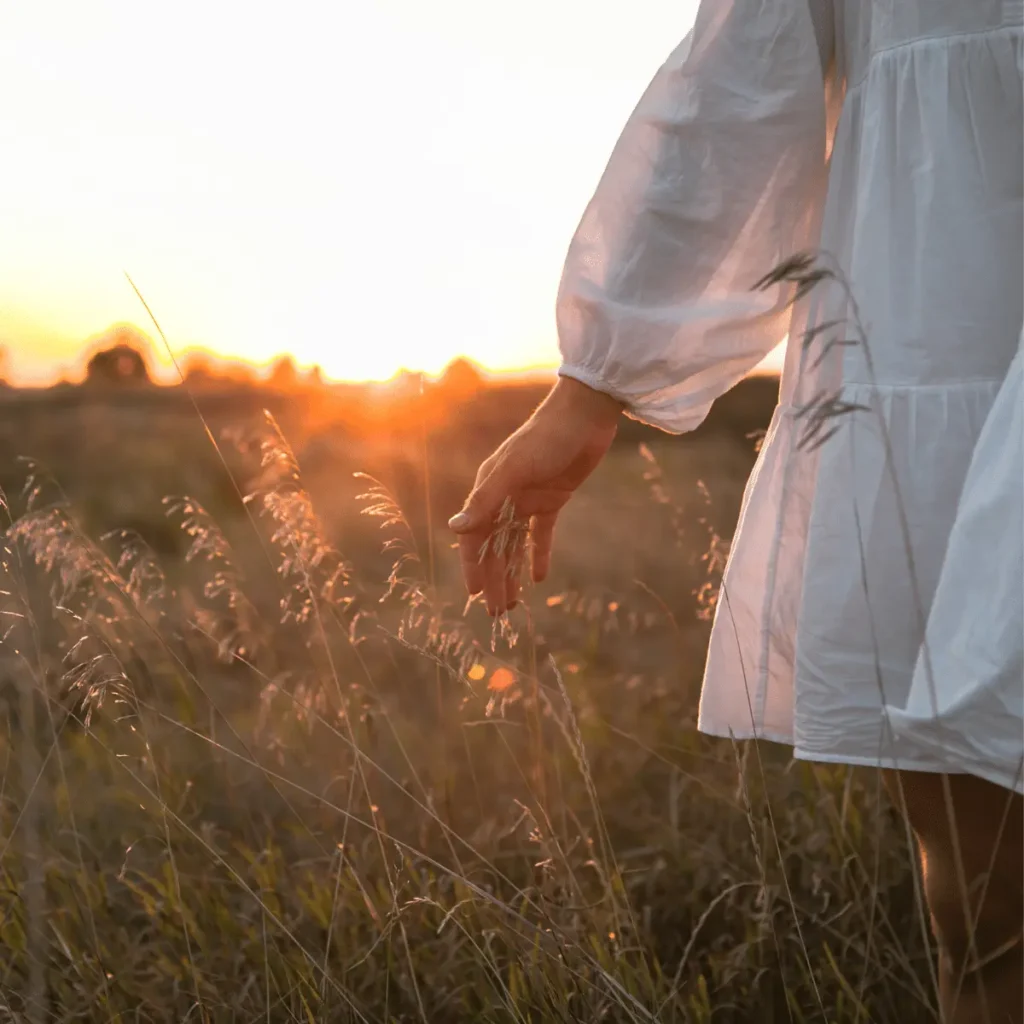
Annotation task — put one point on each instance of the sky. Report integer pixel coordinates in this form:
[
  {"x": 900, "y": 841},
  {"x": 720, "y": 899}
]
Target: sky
[{"x": 367, "y": 186}]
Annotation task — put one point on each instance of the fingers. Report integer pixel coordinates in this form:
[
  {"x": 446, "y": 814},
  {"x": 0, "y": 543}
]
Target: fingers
[
  {"x": 542, "y": 529},
  {"x": 496, "y": 577},
  {"x": 474, "y": 525},
  {"x": 489, "y": 575},
  {"x": 513, "y": 574},
  {"x": 493, "y": 486},
  {"x": 509, "y": 473},
  {"x": 470, "y": 545},
  {"x": 494, "y": 584}
]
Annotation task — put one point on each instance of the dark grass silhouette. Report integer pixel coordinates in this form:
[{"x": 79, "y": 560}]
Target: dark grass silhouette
[{"x": 261, "y": 762}]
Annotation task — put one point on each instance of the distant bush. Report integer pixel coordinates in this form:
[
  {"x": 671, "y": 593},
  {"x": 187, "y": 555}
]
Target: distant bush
[
  {"x": 198, "y": 370},
  {"x": 122, "y": 362},
  {"x": 284, "y": 374},
  {"x": 461, "y": 378}
]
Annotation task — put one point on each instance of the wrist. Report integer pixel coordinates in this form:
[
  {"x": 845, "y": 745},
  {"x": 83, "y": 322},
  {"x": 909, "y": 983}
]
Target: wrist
[{"x": 595, "y": 405}]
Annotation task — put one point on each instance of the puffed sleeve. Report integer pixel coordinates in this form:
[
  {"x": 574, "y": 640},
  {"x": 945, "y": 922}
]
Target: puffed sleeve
[{"x": 717, "y": 177}]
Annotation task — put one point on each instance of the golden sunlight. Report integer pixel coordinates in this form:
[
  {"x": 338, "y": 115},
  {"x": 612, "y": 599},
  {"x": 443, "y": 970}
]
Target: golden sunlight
[{"x": 367, "y": 189}]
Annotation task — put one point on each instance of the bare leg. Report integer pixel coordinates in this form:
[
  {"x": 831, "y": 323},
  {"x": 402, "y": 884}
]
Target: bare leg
[{"x": 980, "y": 932}]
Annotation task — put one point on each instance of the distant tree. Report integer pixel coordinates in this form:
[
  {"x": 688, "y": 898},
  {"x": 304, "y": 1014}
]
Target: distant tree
[
  {"x": 119, "y": 364},
  {"x": 283, "y": 373},
  {"x": 198, "y": 370},
  {"x": 241, "y": 374},
  {"x": 196, "y": 365},
  {"x": 405, "y": 383},
  {"x": 462, "y": 377}
]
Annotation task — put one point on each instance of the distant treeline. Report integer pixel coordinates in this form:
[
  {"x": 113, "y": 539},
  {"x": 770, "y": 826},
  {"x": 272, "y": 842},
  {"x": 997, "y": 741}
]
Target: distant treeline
[
  {"x": 462, "y": 399},
  {"x": 369, "y": 409}
]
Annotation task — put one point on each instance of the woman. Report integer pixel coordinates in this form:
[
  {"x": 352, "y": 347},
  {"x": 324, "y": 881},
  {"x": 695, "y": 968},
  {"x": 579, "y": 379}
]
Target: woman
[{"x": 871, "y": 611}]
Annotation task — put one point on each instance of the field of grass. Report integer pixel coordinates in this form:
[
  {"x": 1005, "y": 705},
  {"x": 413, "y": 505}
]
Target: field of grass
[{"x": 258, "y": 761}]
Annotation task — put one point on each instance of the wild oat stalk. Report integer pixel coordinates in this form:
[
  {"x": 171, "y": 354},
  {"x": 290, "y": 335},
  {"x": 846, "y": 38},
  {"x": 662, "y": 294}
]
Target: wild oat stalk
[
  {"x": 308, "y": 563},
  {"x": 714, "y": 556},
  {"x": 806, "y": 270},
  {"x": 442, "y": 638},
  {"x": 229, "y": 618},
  {"x": 507, "y": 541}
]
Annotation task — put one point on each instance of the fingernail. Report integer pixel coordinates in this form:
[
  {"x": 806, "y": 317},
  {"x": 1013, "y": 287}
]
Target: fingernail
[{"x": 458, "y": 521}]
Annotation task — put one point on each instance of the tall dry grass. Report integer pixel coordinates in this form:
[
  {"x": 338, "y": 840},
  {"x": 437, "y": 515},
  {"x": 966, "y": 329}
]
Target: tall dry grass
[{"x": 345, "y": 798}]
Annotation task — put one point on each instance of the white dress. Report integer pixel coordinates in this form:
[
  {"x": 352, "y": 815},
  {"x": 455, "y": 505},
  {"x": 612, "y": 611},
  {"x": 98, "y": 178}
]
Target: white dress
[{"x": 872, "y": 608}]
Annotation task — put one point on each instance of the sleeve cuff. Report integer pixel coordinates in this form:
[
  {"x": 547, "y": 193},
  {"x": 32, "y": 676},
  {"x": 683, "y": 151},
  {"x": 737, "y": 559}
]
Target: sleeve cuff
[{"x": 670, "y": 415}]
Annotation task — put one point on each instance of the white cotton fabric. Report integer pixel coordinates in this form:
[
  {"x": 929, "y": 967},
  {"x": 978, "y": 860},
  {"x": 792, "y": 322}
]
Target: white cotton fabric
[
  {"x": 883, "y": 567},
  {"x": 972, "y": 663}
]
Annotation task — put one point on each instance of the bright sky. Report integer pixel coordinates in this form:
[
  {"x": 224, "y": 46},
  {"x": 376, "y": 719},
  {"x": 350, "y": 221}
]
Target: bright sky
[{"x": 367, "y": 186}]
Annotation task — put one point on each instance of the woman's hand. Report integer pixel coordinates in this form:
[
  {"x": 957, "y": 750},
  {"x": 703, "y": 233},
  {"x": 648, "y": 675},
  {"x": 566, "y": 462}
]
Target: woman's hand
[{"x": 538, "y": 468}]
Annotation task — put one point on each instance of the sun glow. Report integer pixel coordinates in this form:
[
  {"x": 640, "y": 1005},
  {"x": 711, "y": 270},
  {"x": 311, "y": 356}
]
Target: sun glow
[{"x": 366, "y": 187}]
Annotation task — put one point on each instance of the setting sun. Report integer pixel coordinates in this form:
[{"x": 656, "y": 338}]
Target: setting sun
[{"x": 367, "y": 188}]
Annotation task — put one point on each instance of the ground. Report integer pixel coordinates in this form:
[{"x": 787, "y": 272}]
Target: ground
[{"x": 246, "y": 777}]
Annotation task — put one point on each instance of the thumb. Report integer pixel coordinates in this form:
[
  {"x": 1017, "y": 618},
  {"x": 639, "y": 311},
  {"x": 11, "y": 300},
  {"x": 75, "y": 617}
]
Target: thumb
[{"x": 484, "y": 502}]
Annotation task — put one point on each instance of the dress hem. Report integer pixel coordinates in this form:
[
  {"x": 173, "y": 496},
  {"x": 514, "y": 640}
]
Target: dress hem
[{"x": 799, "y": 754}]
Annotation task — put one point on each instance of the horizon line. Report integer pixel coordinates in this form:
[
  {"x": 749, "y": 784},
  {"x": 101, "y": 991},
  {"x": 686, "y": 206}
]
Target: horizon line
[{"x": 261, "y": 377}]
